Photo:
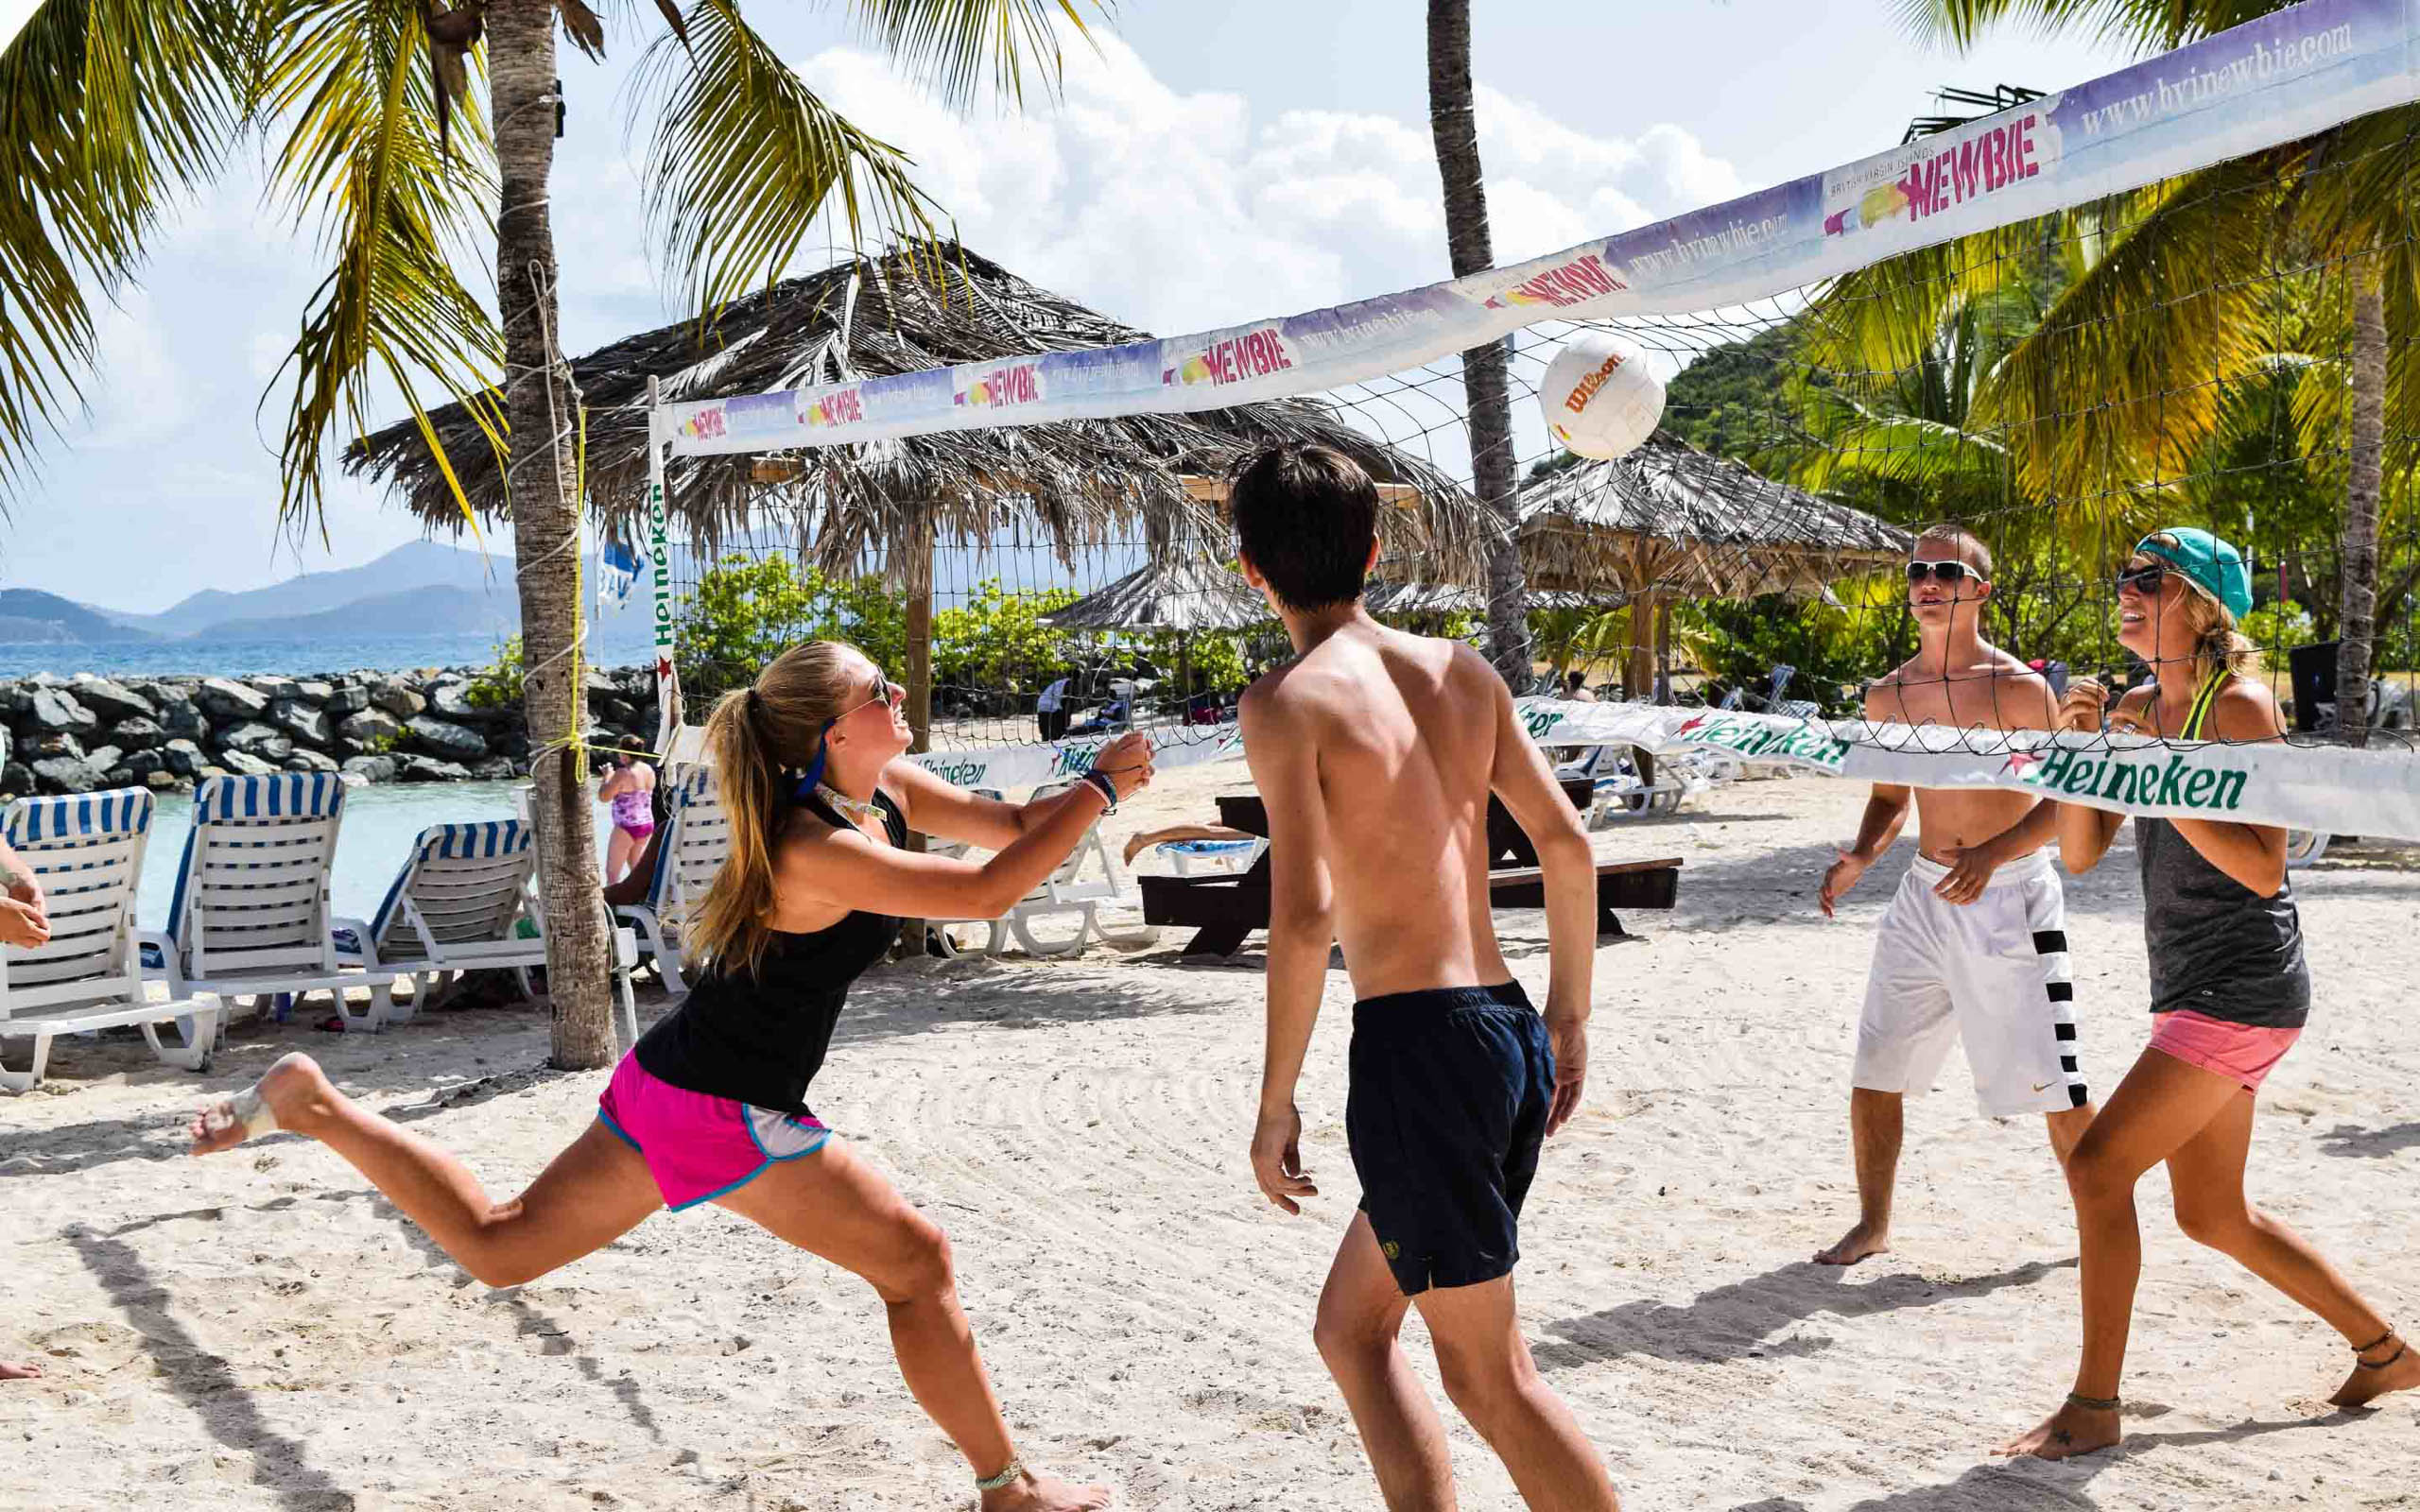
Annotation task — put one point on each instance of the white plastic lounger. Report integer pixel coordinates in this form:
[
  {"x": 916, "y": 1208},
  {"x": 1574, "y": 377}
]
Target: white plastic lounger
[
  {"x": 250, "y": 915},
  {"x": 1079, "y": 889},
  {"x": 459, "y": 905},
  {"x": 1211, "y": 858},
  {"x": 696, "y": 839},
  {"x": 87, "y": 852}
]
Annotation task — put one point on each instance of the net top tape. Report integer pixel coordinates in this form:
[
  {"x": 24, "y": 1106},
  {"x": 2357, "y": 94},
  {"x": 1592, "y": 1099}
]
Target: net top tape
[{"x": 2272, "y": 80}]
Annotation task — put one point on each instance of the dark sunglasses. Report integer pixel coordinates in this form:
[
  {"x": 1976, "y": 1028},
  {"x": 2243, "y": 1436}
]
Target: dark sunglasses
[
  {"x": 2146, "y": 580},
  {"x": 1940, "y": 571}
]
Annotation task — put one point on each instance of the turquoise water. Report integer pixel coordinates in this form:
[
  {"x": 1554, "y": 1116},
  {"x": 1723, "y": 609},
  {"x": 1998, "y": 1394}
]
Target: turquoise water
[
  {"x": 238, "y": 659},
  {"x": 379, "y": 826}
]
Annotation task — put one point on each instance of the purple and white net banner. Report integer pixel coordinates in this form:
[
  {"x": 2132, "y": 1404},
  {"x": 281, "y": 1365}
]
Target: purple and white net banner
[{"x": 2280, "y": 77}]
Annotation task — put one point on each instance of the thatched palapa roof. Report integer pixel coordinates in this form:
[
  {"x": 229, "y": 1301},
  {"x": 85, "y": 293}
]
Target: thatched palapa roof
[
  {"x": 1188, "y": 593},
  {"x": 1676, "y": 521},
  {"x": 1070, "y": 483}
]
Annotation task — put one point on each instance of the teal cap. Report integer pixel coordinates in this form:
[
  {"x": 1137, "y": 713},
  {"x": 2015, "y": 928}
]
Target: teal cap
[{"x": 2218, "y": 567}]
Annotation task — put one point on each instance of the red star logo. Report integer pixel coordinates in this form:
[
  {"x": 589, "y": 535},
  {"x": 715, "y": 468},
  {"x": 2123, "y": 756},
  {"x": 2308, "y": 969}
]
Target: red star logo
[
  {"x": 663, "y": 669},
  {"x": 1691, "y": 725},
  {"x": 2021, "y": 761}
]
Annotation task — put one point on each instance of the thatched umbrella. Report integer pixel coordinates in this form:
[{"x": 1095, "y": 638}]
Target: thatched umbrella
[
  {"x": 1070, "y": 483},
  {"x": 1671, "y": 522},
  {"x": 1188, "y": 595}
]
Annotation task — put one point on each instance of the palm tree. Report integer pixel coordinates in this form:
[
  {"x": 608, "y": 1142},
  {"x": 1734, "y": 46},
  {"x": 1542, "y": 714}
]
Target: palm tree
[
  {"x": 2203, "y": 248},
  {"x": 371, "y": 116},
  {"x": 1454, "y": 123}
]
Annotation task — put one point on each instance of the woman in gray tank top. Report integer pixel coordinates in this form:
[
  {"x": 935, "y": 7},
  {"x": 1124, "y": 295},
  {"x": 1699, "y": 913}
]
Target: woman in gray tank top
[{"x": 2229, "y": 994}]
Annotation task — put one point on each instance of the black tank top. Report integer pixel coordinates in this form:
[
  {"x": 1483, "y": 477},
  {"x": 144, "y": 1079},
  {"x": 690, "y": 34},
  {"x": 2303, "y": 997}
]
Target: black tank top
[
  {"x": 2216, "y": 946},
  {"x": 760, "y": 1038}
]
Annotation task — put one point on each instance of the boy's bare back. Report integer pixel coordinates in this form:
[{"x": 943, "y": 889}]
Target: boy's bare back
[{"x": 1388, "y": 745}]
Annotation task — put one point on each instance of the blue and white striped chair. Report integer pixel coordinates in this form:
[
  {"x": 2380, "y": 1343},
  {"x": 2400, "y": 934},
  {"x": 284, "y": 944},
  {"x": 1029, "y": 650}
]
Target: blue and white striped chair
[
  {"x": 696, "y": 840},
  {"x": 87, "y": 853},
  {"x": 459, "y": 905},
  {"x": 250, "y": 915}
]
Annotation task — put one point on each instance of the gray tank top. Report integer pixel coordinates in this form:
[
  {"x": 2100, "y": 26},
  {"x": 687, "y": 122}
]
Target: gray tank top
[{"x": 2216, "y": 946}]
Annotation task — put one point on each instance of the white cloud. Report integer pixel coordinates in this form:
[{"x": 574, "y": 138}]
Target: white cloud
[{"x": 139, "y": 398}]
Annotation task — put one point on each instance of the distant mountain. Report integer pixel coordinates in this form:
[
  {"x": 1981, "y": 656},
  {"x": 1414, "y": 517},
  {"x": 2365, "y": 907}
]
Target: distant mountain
[
  {"x": 414, "y": 565},
  {"x": 438, "y": 610},
  {"x": 30, "y": 615}
]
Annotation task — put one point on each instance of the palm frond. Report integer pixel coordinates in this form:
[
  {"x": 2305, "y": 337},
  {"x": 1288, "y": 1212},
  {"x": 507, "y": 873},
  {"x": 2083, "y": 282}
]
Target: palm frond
[
  {"x": 2138, "y": 25},
  {"x": 747, "y": 159},
  {"x": 957, "y": 43},
  {"x": 362, "y": 152},
  {"x": 107, "y": 110}
]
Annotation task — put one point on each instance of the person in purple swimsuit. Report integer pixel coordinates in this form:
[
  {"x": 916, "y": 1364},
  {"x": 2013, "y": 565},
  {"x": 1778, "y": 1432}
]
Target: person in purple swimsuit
[
  {"x": 709, "y": 1106},
  {"x": 630, "y": 787}
]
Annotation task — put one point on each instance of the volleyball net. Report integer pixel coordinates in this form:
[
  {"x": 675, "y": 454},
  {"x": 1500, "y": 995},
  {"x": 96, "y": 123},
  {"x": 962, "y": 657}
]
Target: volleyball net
[{"x": 2184, "y": 295}]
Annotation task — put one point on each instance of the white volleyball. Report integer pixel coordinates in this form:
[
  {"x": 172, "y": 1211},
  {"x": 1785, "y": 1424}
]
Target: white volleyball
[{"x": 1599, "y": 397}]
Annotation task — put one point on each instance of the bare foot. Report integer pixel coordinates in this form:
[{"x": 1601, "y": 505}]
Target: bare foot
[
  {"x": 293, "y": 1096},
  {"x": 1040, "y": 1493},
  {"x": 10, "y": 1370},
  {"x": 2068, "y": 1432},
  {"x": 1854, "y": 1246},
  {"x": 2376, "y": 1380}
]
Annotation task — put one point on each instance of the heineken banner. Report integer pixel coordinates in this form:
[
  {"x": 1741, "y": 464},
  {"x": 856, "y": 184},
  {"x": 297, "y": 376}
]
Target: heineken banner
[
  {"x": 2351, "y": 792},
  {"x": 2372, "y": 793},
  {"x": 2276, "y": 79}
]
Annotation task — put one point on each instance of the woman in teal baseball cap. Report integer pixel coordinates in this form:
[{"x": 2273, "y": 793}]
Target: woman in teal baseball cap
[{"x": 2229, "y": 995}]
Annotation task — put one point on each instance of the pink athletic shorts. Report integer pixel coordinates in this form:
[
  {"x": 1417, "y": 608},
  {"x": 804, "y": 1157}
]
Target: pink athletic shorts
[
  {"x": 2247, "y": 1051},
  {"x": 696, "y": 1145}
]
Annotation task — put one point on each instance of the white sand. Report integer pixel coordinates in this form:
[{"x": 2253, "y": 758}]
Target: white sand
[{"x": 260, "y": 1330}]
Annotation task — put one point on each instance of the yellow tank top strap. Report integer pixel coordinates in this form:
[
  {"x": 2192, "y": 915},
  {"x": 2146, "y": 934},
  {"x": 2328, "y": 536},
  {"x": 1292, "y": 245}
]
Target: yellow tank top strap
[{"x": 2203, "y": 697}]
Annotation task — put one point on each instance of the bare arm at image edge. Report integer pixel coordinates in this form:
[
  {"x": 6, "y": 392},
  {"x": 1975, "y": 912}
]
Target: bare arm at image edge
[{"x": 1521, "y": 778}]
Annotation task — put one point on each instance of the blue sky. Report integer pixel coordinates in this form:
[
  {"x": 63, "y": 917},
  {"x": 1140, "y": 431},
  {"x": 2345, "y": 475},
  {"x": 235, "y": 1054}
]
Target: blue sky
[{"x": 1206, "y": 164}]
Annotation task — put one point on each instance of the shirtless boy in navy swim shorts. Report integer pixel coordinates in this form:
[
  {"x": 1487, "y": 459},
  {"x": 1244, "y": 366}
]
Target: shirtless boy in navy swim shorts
[{"x": 1374, "y": 752}]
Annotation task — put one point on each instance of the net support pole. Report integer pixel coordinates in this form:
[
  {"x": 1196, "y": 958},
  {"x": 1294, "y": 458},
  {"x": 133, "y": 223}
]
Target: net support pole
[
  {"x": 659, "y": 556},
  {"x": 916, "y": 580}
]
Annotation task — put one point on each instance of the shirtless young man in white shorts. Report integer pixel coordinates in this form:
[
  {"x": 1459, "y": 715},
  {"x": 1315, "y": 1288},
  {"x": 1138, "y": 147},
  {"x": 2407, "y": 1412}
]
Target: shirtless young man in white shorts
[{"x": 1974, "y": 943}]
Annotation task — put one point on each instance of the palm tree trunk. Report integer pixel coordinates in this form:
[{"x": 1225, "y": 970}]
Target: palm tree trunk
[
  {"x": 1451, "y": 121},
  {"x": 917, "y": 581},
  {"x": 546, "y": 529},
  {"x": 2360, "y": 556}
]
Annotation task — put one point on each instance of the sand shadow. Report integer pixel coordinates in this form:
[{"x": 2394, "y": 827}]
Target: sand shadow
[
  {"x": 202, "y": 1381},
  {"x": 2369, "y": 1144},
  {"x": 2036, "y": 1486},
  {"x": 1739, "y": 1321}
]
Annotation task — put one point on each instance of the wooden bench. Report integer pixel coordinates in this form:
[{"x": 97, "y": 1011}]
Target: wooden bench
[{"x": 1222, "y": 910}]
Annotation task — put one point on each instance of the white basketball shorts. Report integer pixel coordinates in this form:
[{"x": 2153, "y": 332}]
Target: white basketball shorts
[{"x": 1994, "y": 972}]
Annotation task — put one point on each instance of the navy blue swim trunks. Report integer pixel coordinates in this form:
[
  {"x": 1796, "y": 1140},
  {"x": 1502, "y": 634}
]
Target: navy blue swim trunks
[{"x": 1445, "y": 1113}]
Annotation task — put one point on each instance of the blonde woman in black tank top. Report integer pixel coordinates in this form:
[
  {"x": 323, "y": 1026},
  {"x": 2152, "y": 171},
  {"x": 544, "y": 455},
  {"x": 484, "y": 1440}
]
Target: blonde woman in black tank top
[
  {"x": 2229, "y": 993},
  {"x": 709, "y": 1106}
]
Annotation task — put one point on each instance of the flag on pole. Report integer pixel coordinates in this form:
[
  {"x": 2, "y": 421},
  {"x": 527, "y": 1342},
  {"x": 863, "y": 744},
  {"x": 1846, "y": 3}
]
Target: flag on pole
[{"x": 618, "y": 572}]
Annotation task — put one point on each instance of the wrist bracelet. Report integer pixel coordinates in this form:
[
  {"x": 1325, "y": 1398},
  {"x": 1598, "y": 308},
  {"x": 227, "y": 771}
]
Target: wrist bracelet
[
  {"x": 1002, "y": 1480},
  {"x": 1107, "y": 789}
]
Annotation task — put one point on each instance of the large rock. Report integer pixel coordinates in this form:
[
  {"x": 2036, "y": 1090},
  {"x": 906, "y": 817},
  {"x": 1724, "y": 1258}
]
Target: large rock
[
  {"x": 310, "y": 761},
  {"x": 230, "y": 700},
  {"x": 347, "y": 699},
  {"x": 428, "y": 769},
  {"x": 15, "y": 697},
  {"x": 138, "y": 732},
  {"x": 183, "y": 757},
  {"x": 397, "y": 697},
  {"x": 243, "y": 764},
  {"x": 181, "y": 719},
  {"x": 107, "y": 758},
  {"x": 56, "y": 744},
  {"x": 65, "y": 774},
  {"x": 164, "y": 781},
  {"x": 110, "y": 700},
  {"x": 608, "y": 708},
  {"x": 54, "y": 710},
  {"x": 371, "y": 768},
  {"x": 17, "y": 779},
  {"x": 257, "y": 740},
  {"x": 452, "y": 700},
  {"x": 144, "y": 762},
  {"x": 274, "y": 687},
  {"x": 370, "y": 726},
  {"x": 495, "y": 769},
  {"x": 300, "y": 719},
  {"x": 435, "y": 737},
  {"x": 313, "y": 691}
]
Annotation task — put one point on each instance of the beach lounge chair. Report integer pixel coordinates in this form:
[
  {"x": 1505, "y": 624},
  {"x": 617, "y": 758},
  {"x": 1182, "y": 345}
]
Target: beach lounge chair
[
  {"x": 696, "y": 839},
  {"x": 1211, "y": 858},
  {"x": 250, "y": 916},
  {"x": 87, "y": 852},
  {"x": 463, "y": 902},
  {"x": 1079, "y": 889}
]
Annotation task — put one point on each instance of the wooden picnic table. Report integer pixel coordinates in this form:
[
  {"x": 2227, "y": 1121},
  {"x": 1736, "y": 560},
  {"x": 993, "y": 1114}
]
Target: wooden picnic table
[{"x": 1222, "y": 910}]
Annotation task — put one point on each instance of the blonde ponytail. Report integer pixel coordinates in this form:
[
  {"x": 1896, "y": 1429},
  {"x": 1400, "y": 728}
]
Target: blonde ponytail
[
  {"x": 756, "y": 737},
  {"x": 2218, "y": 646}
]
